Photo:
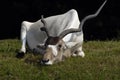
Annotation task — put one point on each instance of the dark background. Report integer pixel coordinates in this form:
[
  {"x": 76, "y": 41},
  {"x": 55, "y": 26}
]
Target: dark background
[{"x": 106, "y": 26}]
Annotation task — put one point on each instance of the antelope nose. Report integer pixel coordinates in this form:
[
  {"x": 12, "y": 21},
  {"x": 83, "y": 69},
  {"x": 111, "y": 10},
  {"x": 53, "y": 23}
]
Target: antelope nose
[{"x": 45, "y": 61}]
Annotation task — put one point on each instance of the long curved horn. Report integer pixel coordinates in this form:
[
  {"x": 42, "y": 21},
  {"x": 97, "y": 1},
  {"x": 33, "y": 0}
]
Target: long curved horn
[
  {"x": 92, "y": 15},
  {"x": 50, "y": 40},
  {"x": 44, "y": 28},
  {"x": 64, "y": 33}
]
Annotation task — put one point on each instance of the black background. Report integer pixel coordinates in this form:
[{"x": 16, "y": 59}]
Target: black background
[{"x": 106, "y": 26}]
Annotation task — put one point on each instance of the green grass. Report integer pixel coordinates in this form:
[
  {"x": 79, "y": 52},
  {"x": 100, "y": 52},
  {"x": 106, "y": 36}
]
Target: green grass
[{"x": 102, "y": 62}]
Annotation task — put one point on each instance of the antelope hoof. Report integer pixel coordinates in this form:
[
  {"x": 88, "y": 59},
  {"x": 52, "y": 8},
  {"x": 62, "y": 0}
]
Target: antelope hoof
[
  {"x": 20, "y": 54},
  {"x": 82, "y": 54}
]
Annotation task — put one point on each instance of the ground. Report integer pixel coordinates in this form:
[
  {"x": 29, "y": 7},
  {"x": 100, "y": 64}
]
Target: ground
[{"x": 102, "y": 62}]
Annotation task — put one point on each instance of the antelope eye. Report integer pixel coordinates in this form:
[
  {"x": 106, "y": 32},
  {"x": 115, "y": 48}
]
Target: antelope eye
[{"x": 59, "y": 46}]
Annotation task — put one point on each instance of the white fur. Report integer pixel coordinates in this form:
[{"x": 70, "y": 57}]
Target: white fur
[
  {"x": 82, "y": 54},
  {"x": 47, "y": 63},
  {"x": 54, "y": 49}
]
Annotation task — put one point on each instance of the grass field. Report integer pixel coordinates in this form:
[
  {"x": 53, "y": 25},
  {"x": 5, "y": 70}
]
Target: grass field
[{"x": 102, "y": 62}]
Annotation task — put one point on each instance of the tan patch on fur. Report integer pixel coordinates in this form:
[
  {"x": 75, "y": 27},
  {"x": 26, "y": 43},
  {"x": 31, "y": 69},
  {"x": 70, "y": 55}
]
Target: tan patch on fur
[{"x": 48, "y": 54}]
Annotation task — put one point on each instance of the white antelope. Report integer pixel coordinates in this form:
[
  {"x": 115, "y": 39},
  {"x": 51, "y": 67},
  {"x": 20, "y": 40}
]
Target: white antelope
[{"x": 55, "y": 37}]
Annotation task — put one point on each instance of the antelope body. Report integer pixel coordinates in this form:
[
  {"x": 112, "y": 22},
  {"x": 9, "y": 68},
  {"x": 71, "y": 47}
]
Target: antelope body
[
  {"x": 31, "y": 33},
  {"x": 62, "y": 36}
]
